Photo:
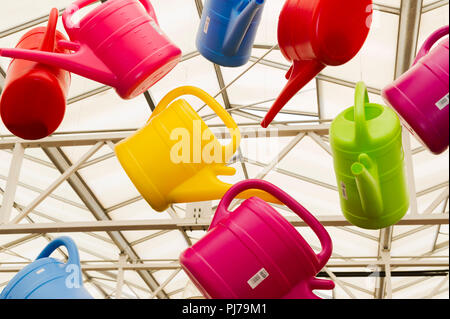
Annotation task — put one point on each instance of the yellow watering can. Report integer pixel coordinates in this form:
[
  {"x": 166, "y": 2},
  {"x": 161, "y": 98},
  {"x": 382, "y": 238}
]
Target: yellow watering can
[{"x": 176, "y": 158}]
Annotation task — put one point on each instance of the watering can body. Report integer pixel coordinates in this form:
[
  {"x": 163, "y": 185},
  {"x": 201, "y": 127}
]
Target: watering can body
[
  {"x": 118, "y": 43},
  {"x": 255, "y": 253},
  {"x": 366, "y": 142},
  {"x": 228, "y": 29},
  {"x": 421, "y": 95},
  {"x": 49, "y": 278},
  {"x": 33, "y": 101},
  {"x": 175, "y": 158},
  {"x": 313, "y": 34}
]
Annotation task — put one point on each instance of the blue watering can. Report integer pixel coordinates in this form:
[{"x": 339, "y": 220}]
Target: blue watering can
[
  {"x": 48, "y": 278},
  {"x": 228, "y": 29}
]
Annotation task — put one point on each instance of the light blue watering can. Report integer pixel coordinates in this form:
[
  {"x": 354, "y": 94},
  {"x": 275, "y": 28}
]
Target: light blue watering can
[
  {"x": 48, "y": 278},
  {"x": 228, "y": 29}
]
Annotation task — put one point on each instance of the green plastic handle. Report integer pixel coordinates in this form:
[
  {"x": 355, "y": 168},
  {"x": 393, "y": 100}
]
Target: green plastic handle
[{"x": 361, "y": 99}]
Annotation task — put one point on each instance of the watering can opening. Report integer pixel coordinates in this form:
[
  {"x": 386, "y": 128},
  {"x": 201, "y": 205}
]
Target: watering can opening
[{"x": 372, "y": 111}]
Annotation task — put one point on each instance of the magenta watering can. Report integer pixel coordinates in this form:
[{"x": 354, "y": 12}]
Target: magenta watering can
[
  {"x": 255, "y": 253},
  {"x": 421, "y": 95},
  {"x": 119, "y": 43}
]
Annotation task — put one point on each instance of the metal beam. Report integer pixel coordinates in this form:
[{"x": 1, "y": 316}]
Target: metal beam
[
  {"x": 26, "y": 25},
  {"x": 88, "y": 138},
  {"x": 62, "y": 163},
  {"x": 408, "y": 34},
  {"x": 434, "y": 5},
  {"x": 2, "y": 79},
  {"x": 386, "y": 9},
  {"x": 384, "y": 249},
  {"x": 173, "y": 265},
  {"x": 188, "y": 224},
  {"x": 62, "y": 178},
  {"x": 11, "y": 183}
]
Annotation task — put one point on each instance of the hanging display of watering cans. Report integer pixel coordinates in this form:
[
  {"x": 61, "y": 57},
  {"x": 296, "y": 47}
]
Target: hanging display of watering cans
[
  {"x": 168, "y": 170},
  {"x": 366, "y": 142},
  {"x": 228, "y": 29},
  {"x": 255, "y": 253},
  {"x": 118, "y": 43},
  {"x": 48, "y": 278},
  {"x": 33, "y": 101},
  {"x": 316, "y": 33},
  {"x": 421, "y": 95}
]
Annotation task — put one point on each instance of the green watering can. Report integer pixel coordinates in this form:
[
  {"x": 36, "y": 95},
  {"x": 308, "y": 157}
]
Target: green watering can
[{"x": 366, "y": 142}]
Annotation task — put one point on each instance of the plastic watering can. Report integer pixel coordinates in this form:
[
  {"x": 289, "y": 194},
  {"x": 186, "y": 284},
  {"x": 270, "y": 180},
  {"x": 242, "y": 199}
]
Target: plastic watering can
[
  {"x": 176, "y": 158},
  {"x": 48, "y": 278},
  {"x": 228, "y": 29},
  {"x": 421, "y": 95},
  {"x": 255, "y": 253},
  {"x": 33, "y": 102},
  {"x": 314, "y": 34},
  {"x": 366, "y": 141},
  {"x": 119, "y": 43}
]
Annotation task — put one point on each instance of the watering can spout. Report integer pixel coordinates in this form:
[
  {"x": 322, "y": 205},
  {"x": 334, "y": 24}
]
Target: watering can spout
[
  {"x": 300, "y": 73},
  {"x": 83, "y": 61},
  {"x": 205, "y": 186},
  {"x": 239, "y": 25},
  {"x": 367, "y": 181}
]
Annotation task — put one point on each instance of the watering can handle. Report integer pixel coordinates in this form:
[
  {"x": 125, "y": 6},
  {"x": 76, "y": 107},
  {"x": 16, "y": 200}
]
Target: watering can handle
[
  {"x": 77, "y": 5},
  {"x": 48, "y": 43},
  {"x": 222, "y": 212},
  {"x": 361, "y": 99},
  {"x": 213, "y": 104},
  {"x": 74, "y": 258},
  {"x": 432, "y": 39}
]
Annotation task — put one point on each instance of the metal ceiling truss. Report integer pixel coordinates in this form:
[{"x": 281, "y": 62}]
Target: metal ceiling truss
[{"x": 385, "y": 265}]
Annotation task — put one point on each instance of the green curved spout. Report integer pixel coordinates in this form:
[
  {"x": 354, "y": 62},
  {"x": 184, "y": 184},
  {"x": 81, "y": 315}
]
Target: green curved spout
[
  {"x": 240, "y": 24},
  {"x": 367, "y": 182}
]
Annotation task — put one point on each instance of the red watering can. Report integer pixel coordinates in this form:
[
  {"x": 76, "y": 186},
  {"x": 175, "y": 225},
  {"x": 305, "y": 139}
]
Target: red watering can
[
  {"x": 119, "y": 43},
  {"x": 255, "y": 253},
  {"x": 420, "y": 96},
  {"x": 316, "y": 33},
  {"x": 33, "y": 102}
]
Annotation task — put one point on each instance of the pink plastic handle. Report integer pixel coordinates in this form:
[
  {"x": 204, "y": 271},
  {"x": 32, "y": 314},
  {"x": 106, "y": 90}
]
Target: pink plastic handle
[
  {"x": 222, "y": 212},
  {"x": 77, "y": 5},
  {"x": 432, "y": 39}
]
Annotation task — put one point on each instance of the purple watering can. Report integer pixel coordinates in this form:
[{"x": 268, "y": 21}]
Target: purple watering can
[{"x": 421, "y": 95}]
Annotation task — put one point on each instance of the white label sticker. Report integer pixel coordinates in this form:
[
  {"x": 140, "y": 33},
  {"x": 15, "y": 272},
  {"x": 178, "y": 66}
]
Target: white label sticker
[
  {"x": 205, "y": 29},
  {"x": 344, "y": 190},
  {"x": 40, "y": 271},
  {"x": 257, "y": 279},
  {"x": 442, "y": 103}
]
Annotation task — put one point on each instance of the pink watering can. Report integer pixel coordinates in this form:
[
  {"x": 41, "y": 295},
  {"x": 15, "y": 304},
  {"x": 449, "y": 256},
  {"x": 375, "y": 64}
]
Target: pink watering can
[
  {"x": 421, "y": 95},
  {"x": 255, "y": 253},
  {"x": 119, "y": 43}
]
